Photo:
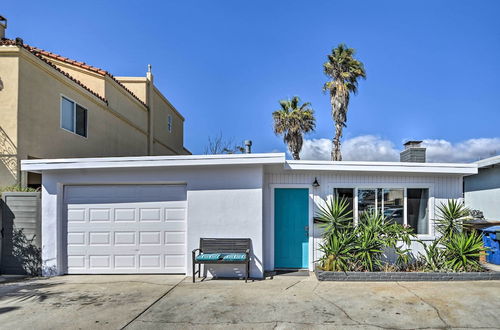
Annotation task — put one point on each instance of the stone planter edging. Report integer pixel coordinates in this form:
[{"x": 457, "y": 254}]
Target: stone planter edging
[{"x": 405, "y": 276}]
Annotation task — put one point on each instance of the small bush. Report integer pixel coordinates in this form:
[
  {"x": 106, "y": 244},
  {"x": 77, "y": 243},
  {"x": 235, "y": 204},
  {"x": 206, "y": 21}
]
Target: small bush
[
  {"x": 18, "y": 189},
  {"x": 347, "y": 247},
  {"x": 359, "y": 248}
]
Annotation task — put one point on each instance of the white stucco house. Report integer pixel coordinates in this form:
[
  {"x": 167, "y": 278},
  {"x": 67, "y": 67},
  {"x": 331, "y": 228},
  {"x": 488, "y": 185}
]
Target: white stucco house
[
  {"x": 146, "y": 214},
  {"x": 482, "y": 191}
]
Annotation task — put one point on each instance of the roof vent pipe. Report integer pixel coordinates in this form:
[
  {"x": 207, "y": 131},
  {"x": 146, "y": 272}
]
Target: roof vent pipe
[{"x": 248, "y": 146}]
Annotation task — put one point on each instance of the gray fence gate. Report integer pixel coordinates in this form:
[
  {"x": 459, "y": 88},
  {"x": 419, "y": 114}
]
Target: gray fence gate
[{"x": 20, "y": 233}]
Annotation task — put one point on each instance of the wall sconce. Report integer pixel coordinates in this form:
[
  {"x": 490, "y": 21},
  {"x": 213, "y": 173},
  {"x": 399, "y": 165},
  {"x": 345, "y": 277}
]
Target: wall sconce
[{"x": 315, "y": 183}]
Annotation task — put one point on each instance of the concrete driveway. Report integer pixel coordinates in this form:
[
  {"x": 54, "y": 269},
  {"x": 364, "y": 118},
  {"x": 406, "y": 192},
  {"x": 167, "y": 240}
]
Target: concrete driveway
[{"x": 159, "y": 302}]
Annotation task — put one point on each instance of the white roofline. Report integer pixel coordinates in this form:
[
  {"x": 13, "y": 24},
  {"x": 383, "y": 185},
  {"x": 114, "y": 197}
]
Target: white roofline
[
  {"x": 488, "y": 161},
  {"x": 362, "y": 166},
  {"x": 39, "y": 165}
]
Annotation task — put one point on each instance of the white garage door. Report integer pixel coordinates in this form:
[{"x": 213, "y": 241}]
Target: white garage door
[{"x": 126, "y": 229}]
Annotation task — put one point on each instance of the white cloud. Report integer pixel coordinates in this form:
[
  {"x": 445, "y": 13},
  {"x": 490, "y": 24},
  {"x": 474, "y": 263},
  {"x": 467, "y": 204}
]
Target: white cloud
[
  {"x": 465, "y": 151},
  {"x": 375, "y": 148}
]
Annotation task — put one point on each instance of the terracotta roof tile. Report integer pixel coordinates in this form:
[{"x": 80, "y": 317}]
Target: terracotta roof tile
[
  {"x": 38, "y": 51},
  {"x": 7, "y": 42}
]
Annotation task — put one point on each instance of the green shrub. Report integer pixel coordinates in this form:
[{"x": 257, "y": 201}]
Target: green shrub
[
  {"x": 18, "y": 189},
  {"x": 455, "y": 250},
  {"x": 462, "y": 251},
  {"x": 359, "y": 248}
]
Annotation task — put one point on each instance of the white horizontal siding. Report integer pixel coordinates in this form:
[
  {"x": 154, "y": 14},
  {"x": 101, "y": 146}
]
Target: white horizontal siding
[{"x": 443, "y": 187}]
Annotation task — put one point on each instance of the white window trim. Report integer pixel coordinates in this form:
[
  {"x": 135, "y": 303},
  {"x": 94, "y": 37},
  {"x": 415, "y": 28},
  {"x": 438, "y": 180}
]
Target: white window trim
[
  {"x": 74, "y": 116},
  {"x": 430, "y": 206}
]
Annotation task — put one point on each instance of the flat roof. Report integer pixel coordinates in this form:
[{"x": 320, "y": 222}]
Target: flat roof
[
  {"x": 400, "y": 167},
  {"x": 40, "y": 165},
  {"x": 488, "y": 161}
]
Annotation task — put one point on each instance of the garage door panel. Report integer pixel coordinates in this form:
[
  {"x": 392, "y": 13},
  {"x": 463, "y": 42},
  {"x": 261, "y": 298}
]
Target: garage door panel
[
  {"x": 124, "y": 214},
  {"x": 116, "y": 233},
  {"x": 151, "y": 214},
  {"x": 125, "y": 261},
  {"x": 175, "y": 248},
  {"x": 150, "y": 238},
  {"x": 125, "y": 238},
  {"x": 175, "y": 237},
  {"x": 99, "y": 238}
]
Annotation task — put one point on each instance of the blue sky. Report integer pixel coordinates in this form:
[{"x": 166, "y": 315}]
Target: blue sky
[{"x": 432, "y": 66}]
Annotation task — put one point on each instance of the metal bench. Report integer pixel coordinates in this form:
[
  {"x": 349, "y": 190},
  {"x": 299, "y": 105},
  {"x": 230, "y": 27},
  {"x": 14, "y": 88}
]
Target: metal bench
[{"x": 222, "y": 251}]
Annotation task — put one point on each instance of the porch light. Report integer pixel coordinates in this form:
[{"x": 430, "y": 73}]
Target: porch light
[{"x": 315, "y": 183}]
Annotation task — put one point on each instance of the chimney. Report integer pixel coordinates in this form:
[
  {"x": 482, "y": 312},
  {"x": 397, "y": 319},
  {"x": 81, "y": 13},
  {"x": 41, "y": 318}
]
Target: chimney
[
  {"x": 248, "y": 146},
  {"x": 413, "y": 153},
  {"x": 3, "y": 26}
]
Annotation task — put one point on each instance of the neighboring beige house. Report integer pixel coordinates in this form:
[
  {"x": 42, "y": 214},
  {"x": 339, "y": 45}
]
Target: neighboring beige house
[{"x": 54, "y": 107}]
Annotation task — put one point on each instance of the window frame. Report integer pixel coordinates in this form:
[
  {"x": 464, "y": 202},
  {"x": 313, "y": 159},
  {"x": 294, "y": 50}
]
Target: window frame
[
  {"x": 169, "y": 123},
  {"x": 62, "y": 96},
  {"x": 430, "y": 202}
]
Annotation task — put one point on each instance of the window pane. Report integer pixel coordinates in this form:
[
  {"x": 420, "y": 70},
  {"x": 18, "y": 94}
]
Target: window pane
[
  {"x": 67, "y": 115},
  {"x": 366, "y": 201},
  {"x": 169, "y": 123},
  {"x": 417, "y": 210},
  {"x": 393, "y": 205},
  {"x": 348, "y": 195},
  {"x": 81, "y": 121}
]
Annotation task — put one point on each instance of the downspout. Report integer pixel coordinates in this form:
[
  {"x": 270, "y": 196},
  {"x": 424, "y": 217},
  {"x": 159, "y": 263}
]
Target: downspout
[{"x": 149, "y": 103}]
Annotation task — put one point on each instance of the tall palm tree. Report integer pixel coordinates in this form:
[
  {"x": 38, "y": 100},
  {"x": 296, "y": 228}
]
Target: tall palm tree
[
  {"x": 344, "y": 71},
  {"x": 292, "y": 120}
]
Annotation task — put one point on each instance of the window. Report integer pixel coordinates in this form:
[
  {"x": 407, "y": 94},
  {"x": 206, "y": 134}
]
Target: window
[
  {"x": 169, "y": 123},
  {"x": 406, "y": 206},
  {"x": 392, "y": 205},
  {"x": 348, "y": 195},
  {"x": 417, "y": 210},
  {"x": 73, "y": 117},
  {"x": 366, "y": 201}
]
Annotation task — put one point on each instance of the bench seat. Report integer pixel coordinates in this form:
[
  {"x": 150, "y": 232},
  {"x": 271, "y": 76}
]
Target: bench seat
[{"x": 222, "y": 251}]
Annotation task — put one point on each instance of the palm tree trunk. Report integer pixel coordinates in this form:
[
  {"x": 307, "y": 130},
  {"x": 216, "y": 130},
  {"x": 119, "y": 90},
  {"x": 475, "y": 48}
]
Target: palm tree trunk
[
  {"x": 336, "y": 155},
  {"x": 296, "y": 156}
]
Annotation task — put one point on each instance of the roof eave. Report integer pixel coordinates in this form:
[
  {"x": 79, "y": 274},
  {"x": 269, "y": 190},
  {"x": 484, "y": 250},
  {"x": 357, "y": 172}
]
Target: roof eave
[{"x": 40, "y": 165}]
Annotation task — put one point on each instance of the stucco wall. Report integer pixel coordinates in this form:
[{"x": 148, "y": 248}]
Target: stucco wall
[
  {"x": 92, "y": 80},
  {"x": 40, "y": 133},
  {"x": 223, "y": 201},
  {"x": 482, "y": 192},
  {"x": 9, "y": 68},
  {"x": 173, "y": 140},
  {"x": 441, "y": 188}
]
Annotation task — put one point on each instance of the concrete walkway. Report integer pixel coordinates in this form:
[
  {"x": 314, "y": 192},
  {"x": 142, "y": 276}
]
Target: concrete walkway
[{"x": 160, "y": 302}]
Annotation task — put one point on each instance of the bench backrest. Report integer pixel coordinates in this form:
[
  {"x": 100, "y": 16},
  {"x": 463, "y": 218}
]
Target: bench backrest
[{"x": 224, "y": 245}]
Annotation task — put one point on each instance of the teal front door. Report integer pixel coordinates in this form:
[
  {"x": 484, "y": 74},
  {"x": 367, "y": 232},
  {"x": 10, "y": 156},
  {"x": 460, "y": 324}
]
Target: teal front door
[{"x": 291, "y": 227}]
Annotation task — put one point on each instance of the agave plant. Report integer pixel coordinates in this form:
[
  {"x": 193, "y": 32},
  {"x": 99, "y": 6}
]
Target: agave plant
[
  {"x": 334, "y": 216},
  {"x": 450, "y": 218},
  {"x": 462, "y": 251}
]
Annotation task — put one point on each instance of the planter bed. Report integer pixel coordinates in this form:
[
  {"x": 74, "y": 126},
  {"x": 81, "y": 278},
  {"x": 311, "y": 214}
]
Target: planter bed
[{"x": 322, "y": 275}]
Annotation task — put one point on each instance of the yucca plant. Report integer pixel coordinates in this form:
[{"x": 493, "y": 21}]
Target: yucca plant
[
  {"x": 369, "y": 248},
  {"x": 434, "y": 257},
  {"x": 450, "y": 218},
  {"x": 334, "y": 216},
  {"x": 462, "y": 251},
  {"x": 338, "y": 251}
]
